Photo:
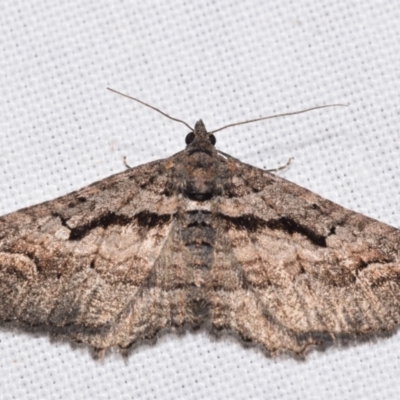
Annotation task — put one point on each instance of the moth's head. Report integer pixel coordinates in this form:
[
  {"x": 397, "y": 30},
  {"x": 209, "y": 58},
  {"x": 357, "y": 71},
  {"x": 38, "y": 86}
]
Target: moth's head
[{"x": 200, "y": 134}]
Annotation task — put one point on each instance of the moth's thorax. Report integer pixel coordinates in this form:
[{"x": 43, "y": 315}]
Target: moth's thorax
[{"x": 199, "y": 171}]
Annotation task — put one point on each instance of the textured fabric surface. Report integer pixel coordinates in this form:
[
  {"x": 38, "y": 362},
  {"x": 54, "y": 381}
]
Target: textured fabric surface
[{"x": 222, "y": 62}]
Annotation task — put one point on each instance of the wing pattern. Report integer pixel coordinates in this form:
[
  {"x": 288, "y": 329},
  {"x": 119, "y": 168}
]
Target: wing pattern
[
  {"x": 312, "y": 271},
  {"x": 198, "y": 241}
]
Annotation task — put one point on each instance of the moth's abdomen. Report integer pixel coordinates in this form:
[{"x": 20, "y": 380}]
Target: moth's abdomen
[{"x": 198, "y": 237}]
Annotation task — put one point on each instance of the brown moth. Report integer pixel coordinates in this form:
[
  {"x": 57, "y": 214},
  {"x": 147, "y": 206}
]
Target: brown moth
[{"x": 198, "y": 240}]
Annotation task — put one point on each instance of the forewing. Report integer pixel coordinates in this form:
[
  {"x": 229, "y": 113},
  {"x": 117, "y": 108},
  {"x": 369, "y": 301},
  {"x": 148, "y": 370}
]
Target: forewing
[
  {"x": 311, "y": 270},
  {"x": 73, "y": 265}
]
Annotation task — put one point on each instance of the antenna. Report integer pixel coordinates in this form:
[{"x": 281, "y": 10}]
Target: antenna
[
  {"x": 229, "y": 125},
  {"x": 154, "y": 108},
  {"x": 278, "y": 115}
]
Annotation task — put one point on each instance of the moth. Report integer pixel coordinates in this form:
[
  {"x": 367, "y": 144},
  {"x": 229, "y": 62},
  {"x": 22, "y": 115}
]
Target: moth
[{"x": 198, "y": 240}]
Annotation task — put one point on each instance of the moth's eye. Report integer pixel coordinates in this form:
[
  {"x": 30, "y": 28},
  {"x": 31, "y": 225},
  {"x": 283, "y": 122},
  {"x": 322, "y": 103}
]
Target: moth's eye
[
  {"x": 189, "y": 138},
  {"x": 212, "y": 139}
]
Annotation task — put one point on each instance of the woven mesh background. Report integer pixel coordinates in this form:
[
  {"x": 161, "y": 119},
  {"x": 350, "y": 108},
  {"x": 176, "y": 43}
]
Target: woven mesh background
[{"x": 221, "y": 61}]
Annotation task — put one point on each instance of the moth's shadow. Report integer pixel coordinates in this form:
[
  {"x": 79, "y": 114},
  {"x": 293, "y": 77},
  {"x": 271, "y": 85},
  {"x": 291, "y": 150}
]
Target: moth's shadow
[{"x": 325, "y": 341}]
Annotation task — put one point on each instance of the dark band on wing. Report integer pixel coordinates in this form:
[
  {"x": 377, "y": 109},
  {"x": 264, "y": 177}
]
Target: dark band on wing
[{"x": 144, "y": 219}]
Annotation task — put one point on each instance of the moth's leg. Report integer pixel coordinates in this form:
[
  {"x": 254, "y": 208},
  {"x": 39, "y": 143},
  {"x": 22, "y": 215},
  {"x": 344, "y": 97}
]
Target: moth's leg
[
  {"x": 227, "y": 155},
  {"x": 281, "y": 167},
  {"x": 125, "y": 163}
]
